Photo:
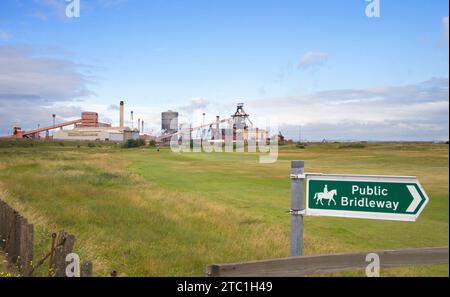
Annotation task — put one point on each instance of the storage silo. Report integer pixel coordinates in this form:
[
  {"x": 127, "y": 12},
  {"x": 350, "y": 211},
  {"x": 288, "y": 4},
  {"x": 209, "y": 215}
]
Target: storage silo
[{"x": 169, "y": 121}]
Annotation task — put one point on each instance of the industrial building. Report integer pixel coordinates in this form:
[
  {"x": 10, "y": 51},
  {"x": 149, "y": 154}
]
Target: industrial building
[
  {"x": 86, "y": 128},
  {"x": 169, "y": 122},
  {"x": 239, "y": 123},
  {"x": 98, "y": 133},
  {"x": 91, "y": 129}
]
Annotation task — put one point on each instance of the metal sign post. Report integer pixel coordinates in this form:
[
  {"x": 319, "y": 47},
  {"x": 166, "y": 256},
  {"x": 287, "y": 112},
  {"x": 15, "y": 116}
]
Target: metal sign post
[
  {"x": 399, "y": 198},
  {"x": 297, "y": 209}
]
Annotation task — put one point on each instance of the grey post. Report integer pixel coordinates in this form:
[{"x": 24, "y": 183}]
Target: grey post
[{"x": 297, "y": 167}]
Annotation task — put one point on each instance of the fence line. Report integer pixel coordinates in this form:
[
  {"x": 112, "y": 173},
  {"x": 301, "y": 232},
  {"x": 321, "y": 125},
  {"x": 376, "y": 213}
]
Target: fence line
[
  {"x": 307, "y": 265},
  {"x": 16, "y": 241},
  {"x": 16, "y": 238}
]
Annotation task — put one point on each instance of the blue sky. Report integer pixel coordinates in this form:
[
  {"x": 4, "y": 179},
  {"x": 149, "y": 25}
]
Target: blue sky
[{"x": 206, "y": 55}]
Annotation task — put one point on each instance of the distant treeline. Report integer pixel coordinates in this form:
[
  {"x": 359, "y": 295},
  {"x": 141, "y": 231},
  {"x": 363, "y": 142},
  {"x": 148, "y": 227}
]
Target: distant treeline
[
  {"x": 6, "y": 142},
  {"x": 28, "y": 143}
]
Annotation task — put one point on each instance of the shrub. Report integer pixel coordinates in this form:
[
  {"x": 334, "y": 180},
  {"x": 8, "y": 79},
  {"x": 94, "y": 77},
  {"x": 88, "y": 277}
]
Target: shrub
[
  {"x": 90, "y": 144},
  {"x": 130, "y": 143},
  {"x": 152, "y": 143},
  {"x": 352, "y": 146}
]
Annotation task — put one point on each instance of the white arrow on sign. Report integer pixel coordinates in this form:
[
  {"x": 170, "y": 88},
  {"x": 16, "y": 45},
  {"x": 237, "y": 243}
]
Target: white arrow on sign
[
  {"x": 409, "y": 189},
  {"x": 416, "y": 199}
]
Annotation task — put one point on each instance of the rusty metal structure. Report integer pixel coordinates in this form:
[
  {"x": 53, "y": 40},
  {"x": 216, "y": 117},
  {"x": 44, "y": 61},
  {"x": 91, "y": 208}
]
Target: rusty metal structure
[
  {"x": 87, "y": 120},
  {"x": 239, "y": 121},
  {"x": 19, "y": 133},
  {"x": 240, "y": 118},
  {"x": 88, "y": 127}
]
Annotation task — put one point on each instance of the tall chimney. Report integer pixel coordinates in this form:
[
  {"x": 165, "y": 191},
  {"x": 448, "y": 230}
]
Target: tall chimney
[
  {"x": 142, "y": 122},
  {"x": 139, "y": 125},
  {"x": 132, "y": 120},
  {"x": 217, "y": 134},
  {"x": 121, "y": 114}
]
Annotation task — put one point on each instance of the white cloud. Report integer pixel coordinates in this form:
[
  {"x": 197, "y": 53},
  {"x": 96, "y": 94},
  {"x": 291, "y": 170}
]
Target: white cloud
[
  {"x": 31, "y": 86},
  {"x": 28, "y": 113},
  {"x": 113, "y": 107},
  {"x": 52, "y": 79},
  {"x": 313, "y": 59},
  {"x": 195, "y": 104},
  {"x": 355, "y": 131},
  {"x": 420, "y": 110}
]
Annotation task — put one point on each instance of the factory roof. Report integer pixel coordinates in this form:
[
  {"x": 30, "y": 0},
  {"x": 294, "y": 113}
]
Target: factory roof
[{"x": 117, "y": 129}]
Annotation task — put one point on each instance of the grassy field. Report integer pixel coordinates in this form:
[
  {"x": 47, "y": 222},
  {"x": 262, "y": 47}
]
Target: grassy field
[
  {"x": 2, "y": 265},
  {"x": 148, "y": 213}
]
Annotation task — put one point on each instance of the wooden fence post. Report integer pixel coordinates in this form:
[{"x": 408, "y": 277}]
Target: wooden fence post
[
  {"x": 26, "y": 247},
  {"x": 86, "y": 269},
  {"x": 16, "y": 243},
  {"x": 5, "y": 226},
  {"x": 11, "y": 239},
  {"x": 2, "y": 224},
  {"x": 16, "y": 240},
  {"x": 65, "y": 243},
  {"x": 8, "y": 221}
]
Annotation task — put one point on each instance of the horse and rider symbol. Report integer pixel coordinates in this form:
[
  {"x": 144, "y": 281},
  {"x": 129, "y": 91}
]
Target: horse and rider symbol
[{"x": 325, "y": 195}]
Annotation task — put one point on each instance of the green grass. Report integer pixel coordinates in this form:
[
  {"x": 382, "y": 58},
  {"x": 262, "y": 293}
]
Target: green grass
[
  {"x": 143, "y": 212},
  {"x": 4, "y": 271},
  {"x": 2, "y": 264}
]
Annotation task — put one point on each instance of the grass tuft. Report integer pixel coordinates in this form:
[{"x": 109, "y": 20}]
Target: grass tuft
[{"x": 149, "y": 213}]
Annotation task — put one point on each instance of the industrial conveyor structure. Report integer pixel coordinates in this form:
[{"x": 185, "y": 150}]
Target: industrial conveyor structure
[
  {"x": 238, "y": 121},
  {"x": 19, "y": 133},
  {"x": 88, "y": 119}
]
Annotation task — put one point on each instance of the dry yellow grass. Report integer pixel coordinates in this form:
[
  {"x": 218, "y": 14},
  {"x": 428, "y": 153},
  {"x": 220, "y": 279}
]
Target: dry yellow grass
[{"x": 144, "y": 213}]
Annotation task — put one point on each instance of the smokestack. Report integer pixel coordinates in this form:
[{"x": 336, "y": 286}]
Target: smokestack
[
  {"x": 121, "y": 114},
  {"x": 139, "y": 125},
  {"x": 54, "y": 122},
  {"x": 217, "y": 134},
  {"x": 132, "y": 120},
  {"x": 142, "y": 126}
]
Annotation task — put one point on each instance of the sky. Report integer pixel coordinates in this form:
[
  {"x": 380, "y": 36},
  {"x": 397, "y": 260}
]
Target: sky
[{"x": 322, "y": 65}]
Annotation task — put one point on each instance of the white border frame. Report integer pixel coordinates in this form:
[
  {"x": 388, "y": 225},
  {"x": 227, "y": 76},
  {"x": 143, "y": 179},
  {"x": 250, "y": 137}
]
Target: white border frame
[{"x": 363, "y": 214}]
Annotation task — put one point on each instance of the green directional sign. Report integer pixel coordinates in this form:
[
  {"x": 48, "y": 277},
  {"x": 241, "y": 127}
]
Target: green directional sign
[{"x": 363, "y": 196}]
